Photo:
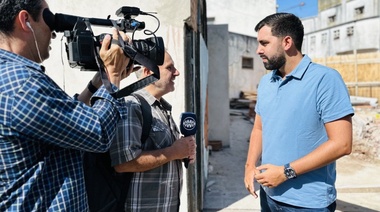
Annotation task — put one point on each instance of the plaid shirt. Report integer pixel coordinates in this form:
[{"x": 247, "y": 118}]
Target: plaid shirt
[
  {"x": 157, "y": 189},
  {"x": 42, "y": 133}
]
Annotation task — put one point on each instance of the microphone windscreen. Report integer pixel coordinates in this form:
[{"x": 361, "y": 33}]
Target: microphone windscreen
[{"x": 188, "y": 123}]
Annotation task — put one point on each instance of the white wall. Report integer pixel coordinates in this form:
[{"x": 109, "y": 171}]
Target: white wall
[
  {"x": 243, "y": 79},
  {"x": 218, "y": 85},
  {"x": 241, "y": 18},
  {"x": 240, "y": 15}
]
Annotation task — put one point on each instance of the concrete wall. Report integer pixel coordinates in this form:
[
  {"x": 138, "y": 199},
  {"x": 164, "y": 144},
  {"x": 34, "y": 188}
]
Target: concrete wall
[
  {"x": 241, "y": 16},
  {"x": 243, "y": 79},
  {"x": 218, "y": 85},
  {"x": 231, "y": 36}
]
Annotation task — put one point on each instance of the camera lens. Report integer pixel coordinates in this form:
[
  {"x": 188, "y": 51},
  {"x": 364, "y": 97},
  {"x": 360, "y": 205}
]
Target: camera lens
[{"x": 152, "y": 48}]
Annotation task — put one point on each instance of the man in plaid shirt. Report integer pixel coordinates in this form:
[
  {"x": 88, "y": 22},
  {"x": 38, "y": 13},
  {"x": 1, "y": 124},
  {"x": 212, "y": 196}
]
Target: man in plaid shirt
[
  {"x": 157, "y": 164},
  {"x": 43, "y": 131}
]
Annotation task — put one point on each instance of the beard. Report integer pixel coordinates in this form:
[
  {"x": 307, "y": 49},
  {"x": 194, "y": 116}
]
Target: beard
[{"x": 275, "y": 62}]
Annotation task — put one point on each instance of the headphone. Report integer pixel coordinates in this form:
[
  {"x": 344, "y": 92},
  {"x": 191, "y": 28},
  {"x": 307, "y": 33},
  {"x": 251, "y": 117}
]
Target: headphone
[
  {"x": 35, "y": 40},
  {"x": 30, "y": 26}
]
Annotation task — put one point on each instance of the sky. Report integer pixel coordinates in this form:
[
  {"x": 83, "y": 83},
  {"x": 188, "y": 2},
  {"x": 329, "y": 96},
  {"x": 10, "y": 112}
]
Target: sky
[{"x": 300, "y": 8}]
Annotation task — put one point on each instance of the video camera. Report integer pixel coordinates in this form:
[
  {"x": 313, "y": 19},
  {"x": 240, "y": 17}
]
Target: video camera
[
  {"x": 83, "y": 46},
  {"x": 81, "y": 42}
]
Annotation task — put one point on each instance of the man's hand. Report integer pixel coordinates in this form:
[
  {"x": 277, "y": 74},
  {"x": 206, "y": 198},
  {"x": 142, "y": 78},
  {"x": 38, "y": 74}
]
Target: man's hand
[
  {"x": 114, "y": 60},
  {"x": 185, "y": 147},
  {"x": 270, "y": 175},
  {"x": 250, "y": 173}
]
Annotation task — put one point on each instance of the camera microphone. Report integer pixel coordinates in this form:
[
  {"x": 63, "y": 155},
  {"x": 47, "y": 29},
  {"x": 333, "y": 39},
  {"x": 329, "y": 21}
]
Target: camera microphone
[
  {"x": 60, "y": 22},
  {"x": 188, "y": 127}
]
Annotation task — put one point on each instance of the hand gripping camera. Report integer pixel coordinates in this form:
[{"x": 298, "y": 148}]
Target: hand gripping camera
[{"x": 82, "y": 45}]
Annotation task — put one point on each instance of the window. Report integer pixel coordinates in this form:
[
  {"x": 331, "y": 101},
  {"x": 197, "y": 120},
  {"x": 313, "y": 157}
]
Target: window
[
  {"x": 304, "y": 48},
  {"x": 312, "y": 40},
  {"x": 210, "y": 20},
  {"x": 332, "y": 19},
  {"x": 336, "y": 34},
  {"x": 247, "y": 62},
  {"x": 359, "y": 10},
  {"x": 350, "y": 31},
  {"x": 324, "y": 38}
]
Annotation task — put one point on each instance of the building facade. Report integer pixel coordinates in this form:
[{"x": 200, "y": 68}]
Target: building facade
[{"x": 343, "y": 27}]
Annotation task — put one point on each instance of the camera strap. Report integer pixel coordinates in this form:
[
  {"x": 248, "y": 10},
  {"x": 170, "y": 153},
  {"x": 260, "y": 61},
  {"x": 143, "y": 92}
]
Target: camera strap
[{"x": 133, "y": 55}]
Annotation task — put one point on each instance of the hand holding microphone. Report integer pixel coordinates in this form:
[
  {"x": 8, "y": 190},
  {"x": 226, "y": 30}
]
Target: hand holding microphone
[{"x": 188, "y": 127}]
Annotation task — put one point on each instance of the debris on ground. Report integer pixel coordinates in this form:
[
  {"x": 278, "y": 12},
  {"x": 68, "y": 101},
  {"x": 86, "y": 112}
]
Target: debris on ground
[{"x": 366, "y": 133}]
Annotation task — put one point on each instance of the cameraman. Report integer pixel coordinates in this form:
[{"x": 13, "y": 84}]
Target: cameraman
[{"x": 43, "y": 131}]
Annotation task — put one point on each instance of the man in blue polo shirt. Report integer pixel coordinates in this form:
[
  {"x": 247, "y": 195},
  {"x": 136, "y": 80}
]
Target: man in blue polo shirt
[{"x": 303, "y": 123}]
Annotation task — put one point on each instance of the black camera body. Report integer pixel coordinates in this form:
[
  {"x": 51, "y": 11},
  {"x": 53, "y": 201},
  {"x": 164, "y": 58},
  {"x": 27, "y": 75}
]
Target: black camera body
[
  {"x": 80, "y": 49},
  {"x": 82, "y": 44}
]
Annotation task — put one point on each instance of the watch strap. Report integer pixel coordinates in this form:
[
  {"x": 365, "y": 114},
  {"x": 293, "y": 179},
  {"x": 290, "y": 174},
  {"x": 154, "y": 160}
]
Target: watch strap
[
  {"x": 289, "y": 171},
  {"x": 91, "y": 87}
]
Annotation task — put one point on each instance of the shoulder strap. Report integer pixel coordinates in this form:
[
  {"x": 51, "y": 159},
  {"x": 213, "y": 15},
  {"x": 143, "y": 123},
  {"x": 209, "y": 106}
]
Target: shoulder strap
[
  {"x": 147, "y": 125},
  {"x": 147, "y": 116}
]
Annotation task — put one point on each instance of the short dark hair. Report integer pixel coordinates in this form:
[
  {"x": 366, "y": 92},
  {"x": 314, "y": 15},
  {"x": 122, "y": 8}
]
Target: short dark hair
[
  {"x": 284, "y": 24},
  {"x": 10, "y": 8}
]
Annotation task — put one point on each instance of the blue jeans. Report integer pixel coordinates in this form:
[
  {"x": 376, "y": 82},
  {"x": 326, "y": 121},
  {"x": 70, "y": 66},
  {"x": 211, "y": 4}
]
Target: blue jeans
[{"x": 269, "y": 205}]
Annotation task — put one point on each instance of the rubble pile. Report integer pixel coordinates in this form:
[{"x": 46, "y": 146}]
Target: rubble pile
[{"x": 366, "y": 133}]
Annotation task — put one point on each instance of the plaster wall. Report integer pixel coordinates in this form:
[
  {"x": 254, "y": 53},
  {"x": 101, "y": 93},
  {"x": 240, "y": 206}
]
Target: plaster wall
[
  {"x": 241, "y": 16},
  {"x": 218, "y": 84},
  {"x": 243, "y": 79}
]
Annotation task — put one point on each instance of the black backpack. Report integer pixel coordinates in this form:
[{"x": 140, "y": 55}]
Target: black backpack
[{"x": 106, "y": 189}]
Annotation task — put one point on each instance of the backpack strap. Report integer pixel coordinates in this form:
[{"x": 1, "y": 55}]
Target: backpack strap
[
  {"x": 147, "y": 116},
  {"x": 112, "y": 193},
  {"x": 147, "y": 125}
]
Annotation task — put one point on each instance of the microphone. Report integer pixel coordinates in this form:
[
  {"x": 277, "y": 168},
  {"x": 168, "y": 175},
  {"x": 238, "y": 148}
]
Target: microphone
[
  {"x": 60, "y": 22},
  {"x": 188, "y": 127}
]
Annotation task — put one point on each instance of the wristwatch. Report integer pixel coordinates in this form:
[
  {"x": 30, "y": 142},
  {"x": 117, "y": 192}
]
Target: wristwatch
[{"x": 289, "y": 171}]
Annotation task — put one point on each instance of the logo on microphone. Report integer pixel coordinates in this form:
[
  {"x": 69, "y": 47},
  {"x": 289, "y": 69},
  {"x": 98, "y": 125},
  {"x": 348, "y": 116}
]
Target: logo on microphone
[{"x": 189, "y": 123}]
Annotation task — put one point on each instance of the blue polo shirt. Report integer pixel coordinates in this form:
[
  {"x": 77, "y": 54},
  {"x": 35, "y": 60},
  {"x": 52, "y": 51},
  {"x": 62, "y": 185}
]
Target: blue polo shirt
[{"x": 293, "y": 111}]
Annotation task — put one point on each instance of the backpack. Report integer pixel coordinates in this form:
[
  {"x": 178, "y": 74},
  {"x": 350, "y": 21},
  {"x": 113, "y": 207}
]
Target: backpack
[{"x": 106, "y": 189}]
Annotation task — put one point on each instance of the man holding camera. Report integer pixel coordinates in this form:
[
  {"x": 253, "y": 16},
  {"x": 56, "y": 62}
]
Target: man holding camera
[{"x": 43, "y": 131}]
